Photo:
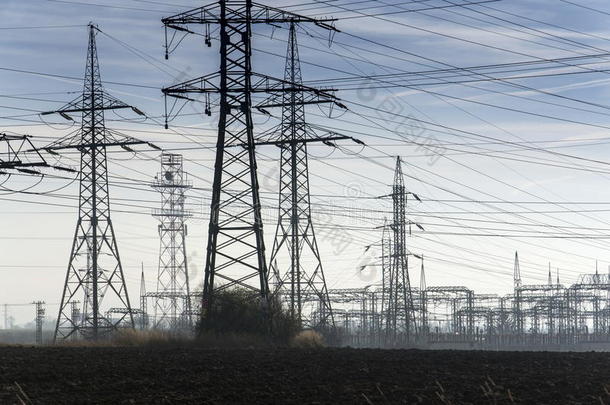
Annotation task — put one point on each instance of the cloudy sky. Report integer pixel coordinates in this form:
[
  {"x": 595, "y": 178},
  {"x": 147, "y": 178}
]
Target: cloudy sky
[{"x": 498, "y": 110}]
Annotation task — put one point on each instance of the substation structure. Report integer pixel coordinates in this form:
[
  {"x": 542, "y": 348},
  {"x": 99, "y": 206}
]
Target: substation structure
[{"x": 552, "y": 316}]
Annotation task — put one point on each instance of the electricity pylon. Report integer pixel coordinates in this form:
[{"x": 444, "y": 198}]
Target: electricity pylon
[
  {"x": 516, "y": 272},
  {"x": 172, "y": 298},
  {"x": 302, "y": 284},
  {"x": 236, "y": 249},
  {"x": 400, "y": 312},
  {"x": 40, "y": 314},
  {"x": 386, "y": 275},
  {"x": 94, "y": 273}
]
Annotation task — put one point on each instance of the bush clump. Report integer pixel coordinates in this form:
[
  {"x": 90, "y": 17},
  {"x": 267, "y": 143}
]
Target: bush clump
[
  {"x": 241, "y": 317},
  {"x": 307, "y": 339}
]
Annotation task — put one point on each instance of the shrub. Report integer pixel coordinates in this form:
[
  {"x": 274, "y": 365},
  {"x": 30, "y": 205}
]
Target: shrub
[
  {"x": 307, "y": 339},
  {"x": 242, "y": 315}
]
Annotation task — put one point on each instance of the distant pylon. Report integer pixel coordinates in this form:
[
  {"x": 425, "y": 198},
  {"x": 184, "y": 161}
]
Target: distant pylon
[
  {"x": 74, "y": 316},
  {"x": 386, "y": 275},
  {"x": 143, "y": 306},
  {"x": 300, "y": 282},
  {"x": 95, "y": 273},
  {"x": 550, "y": 280},
  {"x": 40, "y": 315},
  {"x": 517, "y": 272},
  {"x": 422, "y": 276},
  {"x": 422, "y": 298},
  {"x": 173, "y": 298},
  {"x": 400, "y": 310},
  {"x": 557, "y": 271}
]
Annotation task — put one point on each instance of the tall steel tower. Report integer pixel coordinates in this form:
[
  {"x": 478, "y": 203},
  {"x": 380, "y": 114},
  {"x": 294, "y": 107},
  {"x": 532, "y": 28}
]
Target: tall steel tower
[
  {"x": 516, "y": 272},
  {"x": 386, "y": 276},
  {"x": 40, "y": 314},
  {"x": 300, "y": 282},
  {"x": 172, "y": 298},
  {"x": 95, "y": 273},
  {"x": 400, "y": 315},
  {"x": 236, "y": 249}
]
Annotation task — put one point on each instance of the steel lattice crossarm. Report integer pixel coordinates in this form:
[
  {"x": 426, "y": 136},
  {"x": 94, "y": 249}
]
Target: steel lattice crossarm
[
  {"x": 539, "y": 287},
  {"x": 78, "y": 140},
  {"x": 209, "y": 84},
  {"x": 242, "y": 12},
  {"x": 18, "y": 152},
  {"x": 262, "y": 84},
  {"x": 273, "y": 136},
  {"x": 104, "y": 102},
  {"x": 450, "y": 289},
  {"x": 594, "y": 278}
]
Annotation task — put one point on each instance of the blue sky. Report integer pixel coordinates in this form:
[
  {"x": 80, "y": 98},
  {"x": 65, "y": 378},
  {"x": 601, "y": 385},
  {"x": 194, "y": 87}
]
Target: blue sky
[{"x": 522, "y": 166}]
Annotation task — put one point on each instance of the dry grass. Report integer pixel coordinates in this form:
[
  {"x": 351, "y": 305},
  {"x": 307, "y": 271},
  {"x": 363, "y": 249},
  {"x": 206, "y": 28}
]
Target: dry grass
[
  {"x": 132, "y": 337},
  {"x": 307, "y": 339}
]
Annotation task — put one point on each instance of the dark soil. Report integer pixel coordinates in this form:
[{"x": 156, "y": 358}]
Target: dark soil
[{"x": 155, "y": 375}]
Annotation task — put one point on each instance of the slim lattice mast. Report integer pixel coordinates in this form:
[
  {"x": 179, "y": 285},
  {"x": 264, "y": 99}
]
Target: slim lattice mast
[
  {"x": 236, "y": 249},
  {"x": 172, "y": 298},
  {"x": 516, "y": 272},
  {"x": 143, "y": 306},
  {"x": 386, "y": 280},
  {"x": 302, "y": 283},
  {"x": 422, "y": 299},
  {"x": 40, "y": 315},
  {"x": 95, "y": 273}
]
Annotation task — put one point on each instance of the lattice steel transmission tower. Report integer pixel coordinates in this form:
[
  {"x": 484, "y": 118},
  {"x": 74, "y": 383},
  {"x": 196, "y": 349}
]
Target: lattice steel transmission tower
[
  {"x": 386, "y": 276},
  {"x": 300, "y": 282},
  {"x": 40, "y": 315},
  {"x": 422, "y": 300},
  {"x": 95, "y": 273},
  {"x": 236, "y": 249},
  {"x": 143, "y": 303},
  {"x": 516, "y": 272},
  {"x": 400, "y": 312},
  {"x": 172, "y": 300}
]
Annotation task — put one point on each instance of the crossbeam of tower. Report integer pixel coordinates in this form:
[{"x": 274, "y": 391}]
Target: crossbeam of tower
[
  {"x": 14, "y": 153},
  {"x": 236, "y": 249},
  {"x": 17, "y": 153},
  {"x": 95, "y": 273}
]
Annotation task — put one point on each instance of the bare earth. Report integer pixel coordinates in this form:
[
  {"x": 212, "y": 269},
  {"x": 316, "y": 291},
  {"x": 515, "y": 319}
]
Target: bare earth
[{"x": 54, "y": 375}]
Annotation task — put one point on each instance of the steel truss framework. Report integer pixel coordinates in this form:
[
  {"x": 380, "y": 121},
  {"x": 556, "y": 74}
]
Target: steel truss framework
[
  {"x": 172, "y": 301},
  {"x": 17, "y": 152},
  {"x": 236, "y": 249},
  {"x": 544, "y": 315},
  {"x": 398, "y": 302},
  {"x": 95, "y": 273},
  {"x": 303, "y": 276},
  {"x": 40, "y": 315}
]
